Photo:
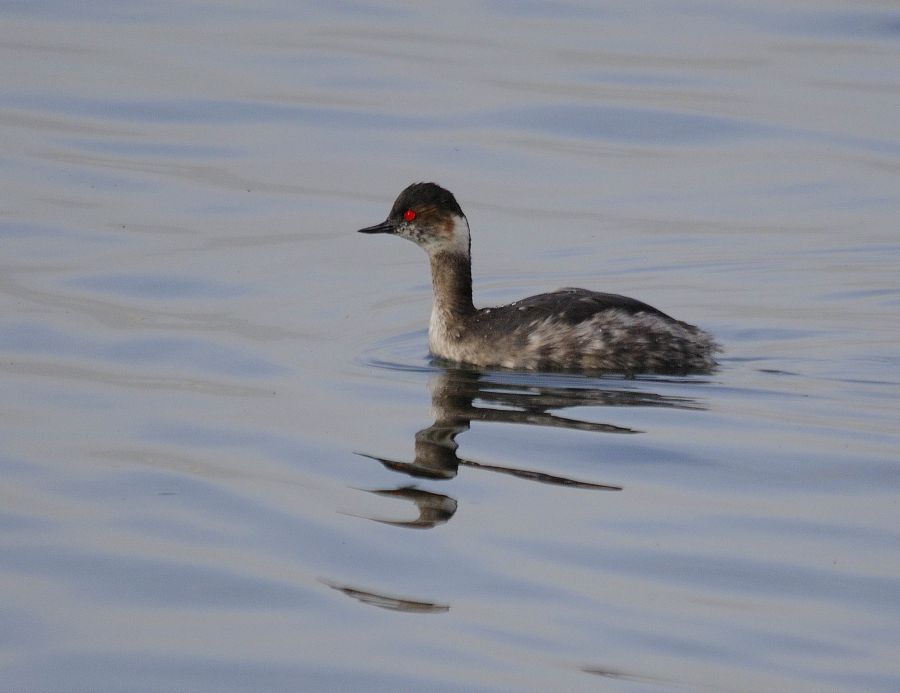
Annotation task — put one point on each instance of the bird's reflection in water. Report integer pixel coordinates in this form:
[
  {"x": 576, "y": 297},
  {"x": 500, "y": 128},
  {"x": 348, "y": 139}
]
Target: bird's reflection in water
[
  {"x": 459, "y": 397},
  {"x": 390, "y": 602},
  {"x": 434, "y": 508}
]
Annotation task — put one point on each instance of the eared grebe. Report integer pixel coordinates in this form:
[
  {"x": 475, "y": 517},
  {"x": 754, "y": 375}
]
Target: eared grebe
[{"x": 568, "y": 329}]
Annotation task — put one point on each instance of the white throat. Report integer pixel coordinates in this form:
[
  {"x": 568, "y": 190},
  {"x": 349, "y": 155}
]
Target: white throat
[{"x": 460, "y": 239}]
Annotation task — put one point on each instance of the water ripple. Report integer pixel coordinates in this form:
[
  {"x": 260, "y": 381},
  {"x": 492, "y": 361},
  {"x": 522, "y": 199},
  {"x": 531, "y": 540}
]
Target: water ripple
[
  {"x": 158, "y": 286},
  {"x": 193, "y": 354}
]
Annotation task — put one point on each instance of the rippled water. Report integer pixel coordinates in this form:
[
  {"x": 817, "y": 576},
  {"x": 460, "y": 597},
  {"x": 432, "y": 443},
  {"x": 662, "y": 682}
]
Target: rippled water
[{"x": 227, "y": 461}]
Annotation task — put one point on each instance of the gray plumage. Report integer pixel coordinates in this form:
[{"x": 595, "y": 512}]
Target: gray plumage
[{"x": 568, "y": 329}]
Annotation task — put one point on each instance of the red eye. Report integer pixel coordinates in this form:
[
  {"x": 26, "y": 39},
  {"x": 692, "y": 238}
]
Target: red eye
[{"x": 409, "y": 215}]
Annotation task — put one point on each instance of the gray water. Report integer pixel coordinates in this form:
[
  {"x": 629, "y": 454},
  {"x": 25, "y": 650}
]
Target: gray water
[{"x": 226, "y": 457}]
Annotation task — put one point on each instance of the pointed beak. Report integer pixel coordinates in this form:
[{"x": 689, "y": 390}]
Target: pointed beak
[{"x": 384, "y": 227}]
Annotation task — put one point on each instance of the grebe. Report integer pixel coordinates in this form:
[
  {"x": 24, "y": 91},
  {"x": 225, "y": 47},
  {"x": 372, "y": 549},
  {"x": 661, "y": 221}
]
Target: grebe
[{"x": 567, "y": 329}]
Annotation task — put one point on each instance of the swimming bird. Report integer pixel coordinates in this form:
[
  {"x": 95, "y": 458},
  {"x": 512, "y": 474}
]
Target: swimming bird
[{"x": 569, "y": 329}]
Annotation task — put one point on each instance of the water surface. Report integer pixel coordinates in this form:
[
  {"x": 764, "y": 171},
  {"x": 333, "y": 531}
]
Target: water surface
[{"x": 228, "y": 462}]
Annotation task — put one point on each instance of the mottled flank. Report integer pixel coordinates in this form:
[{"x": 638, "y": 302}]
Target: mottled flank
[
  {"x": 569, "y": 329},
  {"x": 573, "y": 329}
]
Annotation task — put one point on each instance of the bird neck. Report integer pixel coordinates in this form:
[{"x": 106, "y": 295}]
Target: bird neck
[{"x": 451, "y": 280}]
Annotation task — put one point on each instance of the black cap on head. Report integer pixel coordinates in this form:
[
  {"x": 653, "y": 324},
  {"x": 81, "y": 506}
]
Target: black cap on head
[
  {"x": 427, "y": 200},
  {"x": 424, "y": 195}
]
